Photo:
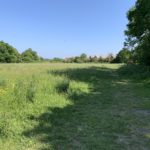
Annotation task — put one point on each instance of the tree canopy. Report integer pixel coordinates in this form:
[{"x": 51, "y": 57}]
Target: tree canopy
[
  {"x": 124, "y": 56},
  {"x": 8, "y": 54},
  {"x": 138, "y": 30},
  {"x": 29, "y": 56}
]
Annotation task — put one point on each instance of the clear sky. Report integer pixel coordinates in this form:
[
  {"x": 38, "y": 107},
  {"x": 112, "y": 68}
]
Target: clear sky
[{"x": 63, "y": 28}]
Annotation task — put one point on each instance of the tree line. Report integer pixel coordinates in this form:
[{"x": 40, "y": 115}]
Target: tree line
[
  {"x": 83, "y": 58},
  {"x": 9, "y": 54}
]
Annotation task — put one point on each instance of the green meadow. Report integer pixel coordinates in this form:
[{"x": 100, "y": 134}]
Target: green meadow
[{"x": 74, "y": 107}]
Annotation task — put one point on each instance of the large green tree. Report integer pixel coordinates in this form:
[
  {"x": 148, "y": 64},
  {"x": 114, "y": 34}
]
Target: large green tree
[
  {"x": 138, "y": 30},
  {"x": 8, "y": 54},
  {"x": 29, "y": 56}
]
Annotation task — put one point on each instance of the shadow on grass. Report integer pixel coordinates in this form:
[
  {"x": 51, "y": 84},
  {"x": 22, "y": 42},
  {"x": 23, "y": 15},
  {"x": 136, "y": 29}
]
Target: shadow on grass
[
  {"x": 89, "y": 123},
  {"x": 134, "y": 72}
]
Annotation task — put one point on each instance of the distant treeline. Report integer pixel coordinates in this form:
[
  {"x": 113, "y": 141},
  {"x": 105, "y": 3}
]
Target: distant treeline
[
  {"x": 124, "y": 56},
  {"x": 83, "y": 58},
  {"x": 9, "y": 54}
]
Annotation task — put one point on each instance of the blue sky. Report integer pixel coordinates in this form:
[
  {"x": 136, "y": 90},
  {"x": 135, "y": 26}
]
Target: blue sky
[{"x": 63, "y": 28}]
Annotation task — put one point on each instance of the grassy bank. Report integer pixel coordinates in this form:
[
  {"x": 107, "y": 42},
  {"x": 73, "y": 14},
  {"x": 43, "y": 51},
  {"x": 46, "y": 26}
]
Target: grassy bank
[{"x": 74, "y": 107}]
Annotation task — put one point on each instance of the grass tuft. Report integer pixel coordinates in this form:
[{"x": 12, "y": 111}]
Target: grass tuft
[
  {"x": 62, "y": 86},
  {"x": 31, "y": 91}
]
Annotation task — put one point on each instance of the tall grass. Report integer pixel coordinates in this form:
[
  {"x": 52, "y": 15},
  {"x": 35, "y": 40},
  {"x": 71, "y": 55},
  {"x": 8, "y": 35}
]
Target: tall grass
[
  {"x": 76, "y": 106},
  {"x": 27, "y": 89}
]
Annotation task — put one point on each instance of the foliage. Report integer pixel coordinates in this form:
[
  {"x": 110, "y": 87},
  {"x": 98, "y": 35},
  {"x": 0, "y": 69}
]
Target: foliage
[
  {"x": 124, "y": 56},
  {"x": 93, "y": 59},
  {"x": 8, "y": 54},
  {"x": 56, "y": 59},
  {"x": 109, "y": 58},
  {"x": 83, "y": 58},
  {"x": 29, "y": 56},
  {"x": 79, "y": 59},
  {"x": 138, "y": 31},
  {"x": 12, "y": 55}
]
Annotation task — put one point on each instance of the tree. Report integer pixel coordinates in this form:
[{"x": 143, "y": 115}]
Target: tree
[
  {"x": 78, "y": 59},
  {"x": 56, "y": 59},
  {"x": 138, "y": 30},
  {"x": 124, "y": 56},
  {"x": 29, "y": 56},
  {"x": 83, "y": 58},
  {"x": 100, "y": 59},
  {"x": 94, "y": 59},
  {"x": 69, "y": 60},
  {"x": 109, "y": 58},
  {"x": 8, "y": 54}
]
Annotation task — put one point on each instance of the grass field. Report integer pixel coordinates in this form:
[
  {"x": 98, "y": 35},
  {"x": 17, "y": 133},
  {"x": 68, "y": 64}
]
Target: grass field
[{"x": 73, "y": 107}]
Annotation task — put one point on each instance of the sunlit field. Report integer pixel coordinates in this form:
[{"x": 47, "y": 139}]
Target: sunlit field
[{"x": 73, "y": 107}]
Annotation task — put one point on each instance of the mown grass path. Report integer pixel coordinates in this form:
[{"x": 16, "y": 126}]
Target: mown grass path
[{"x": 102, "y": 110}]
